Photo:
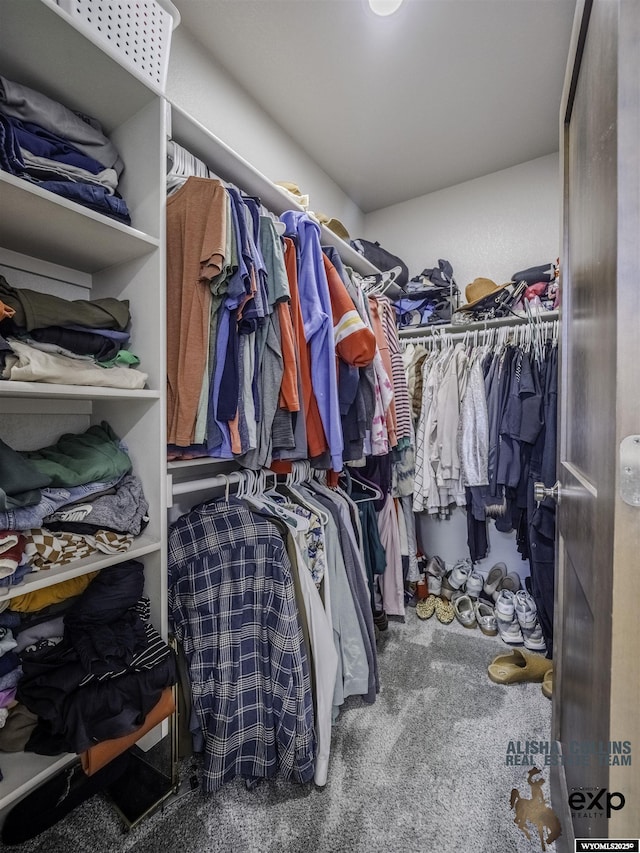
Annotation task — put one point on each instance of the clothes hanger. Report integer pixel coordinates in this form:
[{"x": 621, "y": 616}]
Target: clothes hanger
[
  {"x": 367, "y": 486},
  {"x": 261, "y": 499},
  {"x": 301, "y": 472}
]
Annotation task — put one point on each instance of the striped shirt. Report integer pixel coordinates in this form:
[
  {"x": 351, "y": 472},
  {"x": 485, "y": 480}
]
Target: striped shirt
[{"x": 232, "y": 603}]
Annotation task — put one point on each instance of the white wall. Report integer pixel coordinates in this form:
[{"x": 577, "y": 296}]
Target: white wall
[
  {"x": 198, "y": 85},
  {"x": 492, "y": 226},
  {"x": 448, "y": 539}
]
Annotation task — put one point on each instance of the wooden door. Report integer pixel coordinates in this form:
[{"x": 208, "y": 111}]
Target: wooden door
[{"x": 597, "y": 627}]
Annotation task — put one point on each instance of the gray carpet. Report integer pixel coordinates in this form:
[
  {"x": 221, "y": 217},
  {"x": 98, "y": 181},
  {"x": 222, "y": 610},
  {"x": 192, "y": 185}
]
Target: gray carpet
[{"x": 422, "y": 769}]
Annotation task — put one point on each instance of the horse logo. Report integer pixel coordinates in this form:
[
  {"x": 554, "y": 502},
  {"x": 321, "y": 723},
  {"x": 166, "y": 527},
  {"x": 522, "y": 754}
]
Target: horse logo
[{"x": 534, "y": 810}]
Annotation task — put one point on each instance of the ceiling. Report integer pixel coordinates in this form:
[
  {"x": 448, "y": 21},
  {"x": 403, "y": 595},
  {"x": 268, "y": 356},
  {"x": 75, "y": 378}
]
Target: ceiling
[{"x": 441, "y": 92}]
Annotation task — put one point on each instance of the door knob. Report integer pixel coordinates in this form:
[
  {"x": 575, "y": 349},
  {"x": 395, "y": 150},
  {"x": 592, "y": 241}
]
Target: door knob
[{"x": 540, "y": 491}]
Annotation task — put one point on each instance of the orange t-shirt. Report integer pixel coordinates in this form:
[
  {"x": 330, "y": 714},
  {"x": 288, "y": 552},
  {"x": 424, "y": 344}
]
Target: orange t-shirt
[
  {"x": 316, "y": 440},
  {"x": 196, "y": 236}
]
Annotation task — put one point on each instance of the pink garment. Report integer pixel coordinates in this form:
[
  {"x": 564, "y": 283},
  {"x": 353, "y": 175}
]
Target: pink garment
[{"x": 392, "y": 582}]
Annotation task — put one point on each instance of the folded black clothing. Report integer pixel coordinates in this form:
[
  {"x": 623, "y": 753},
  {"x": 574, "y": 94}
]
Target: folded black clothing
[
  {"x": 109, "y": 595},
  {"x": 80, "y": 343},
  {"x": 101, "y": 710},
  {"x": 440, "y": 276},
  {"x": 74, "y": 712},
  {"x": 103, "y": 648}
]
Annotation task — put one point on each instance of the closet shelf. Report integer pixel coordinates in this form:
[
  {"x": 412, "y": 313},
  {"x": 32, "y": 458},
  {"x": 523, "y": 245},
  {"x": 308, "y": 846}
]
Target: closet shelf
[
  {"x": 142, "y": 545},
  {"x": 230, "y": 166},
  {"x": 45, "y": 390},
  {"x": 24, "y": 770},
  {"x": 480, "y": 325},
  {"x": 39, "y": 223}
]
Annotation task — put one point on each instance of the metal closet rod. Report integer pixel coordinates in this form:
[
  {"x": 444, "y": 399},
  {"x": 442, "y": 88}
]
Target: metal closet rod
[
  {"x": 546, "y": 327},
  {"x": 219, "y": 481},
  {"x": 541, "y": 322},
  {"x": 260, "y": 479}
]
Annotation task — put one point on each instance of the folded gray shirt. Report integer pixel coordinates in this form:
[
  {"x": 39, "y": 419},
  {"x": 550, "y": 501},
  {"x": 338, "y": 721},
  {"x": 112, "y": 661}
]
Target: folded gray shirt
[{"x": 85, "y": 133}]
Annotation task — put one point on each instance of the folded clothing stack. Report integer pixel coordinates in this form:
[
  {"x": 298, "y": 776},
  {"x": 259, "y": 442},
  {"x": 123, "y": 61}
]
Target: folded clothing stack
[
  {"x": 87, "y": 670},
  {"x": 428, "y": 298},
  {"x": 46, "y": 338},
  {"x": 59, "y": 150},
  {"x": 64, "y": 502}
]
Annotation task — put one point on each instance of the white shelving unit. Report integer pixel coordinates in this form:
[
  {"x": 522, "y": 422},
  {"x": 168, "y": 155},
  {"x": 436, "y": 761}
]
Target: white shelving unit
[
  {"x": 231, "y": 167},
  {"x": 50, "y": 244}
]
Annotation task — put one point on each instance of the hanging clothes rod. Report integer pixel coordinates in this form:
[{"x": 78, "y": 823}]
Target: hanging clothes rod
[
  {"x": 479, "y": 325},
  {"x": 549, "y": 328},
  {"x": 186, "y": 487},
  {"x": 219, "y": 481},
  {"x": 253, "y": 481}
]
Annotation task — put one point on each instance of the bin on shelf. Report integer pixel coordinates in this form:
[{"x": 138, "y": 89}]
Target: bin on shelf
[{"x": 136, "y": 33}]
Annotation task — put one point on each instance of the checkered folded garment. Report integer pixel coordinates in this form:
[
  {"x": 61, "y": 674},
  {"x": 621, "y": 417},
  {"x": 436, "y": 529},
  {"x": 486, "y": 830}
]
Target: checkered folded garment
[{"x": 45, "y": 549}]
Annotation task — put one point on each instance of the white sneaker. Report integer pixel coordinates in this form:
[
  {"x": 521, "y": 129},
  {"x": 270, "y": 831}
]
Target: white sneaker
[
  {"x": 474, "y": 585},
  {"x": 506, "y": 619},
  {"x": 459, "y": 573},
  {"x": 434, "y": 585},
  {"x": 486, "y": 618},
  {"x": 527, "y": 616}
]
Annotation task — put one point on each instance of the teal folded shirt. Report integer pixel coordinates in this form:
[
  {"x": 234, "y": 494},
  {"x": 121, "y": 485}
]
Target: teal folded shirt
[{"x": 76, "y": 459}]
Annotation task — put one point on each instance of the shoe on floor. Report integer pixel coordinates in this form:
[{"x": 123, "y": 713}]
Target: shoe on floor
[
  {"x": 510, "y": 581},
  {"x": 458, "y": 575},
  {"x": 425, "y": 609},
  {"x": 436, "y": 567},
  {"x": 527, "y": 616},
  {"x": 434, "y": 584},
  {"x": 547, "y": 683},
  {"x": 465, "y": 612},
  {"x": 492, "y": 580},
  {"x": 474, "y": 584},
  {"x": 486, "y": 618},
  {"x": 517, "y": 667},
  {"x": 446, "y": 590},
  {"x": 444, "y": 611},
  {"x": 506, "y": 619},
  {"x": 380, "y": 620}
]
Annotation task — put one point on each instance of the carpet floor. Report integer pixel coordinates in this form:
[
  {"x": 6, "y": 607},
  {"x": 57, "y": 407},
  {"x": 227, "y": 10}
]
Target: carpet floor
[{"x": 424, "y": 768}]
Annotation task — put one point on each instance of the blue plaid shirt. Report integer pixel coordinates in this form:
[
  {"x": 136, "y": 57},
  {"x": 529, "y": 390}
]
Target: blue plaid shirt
[{"x": 231, "y": 600}]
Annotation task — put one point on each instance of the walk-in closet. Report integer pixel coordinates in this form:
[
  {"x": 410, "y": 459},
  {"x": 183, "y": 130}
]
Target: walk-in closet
[{"x": 319, "y": 425}]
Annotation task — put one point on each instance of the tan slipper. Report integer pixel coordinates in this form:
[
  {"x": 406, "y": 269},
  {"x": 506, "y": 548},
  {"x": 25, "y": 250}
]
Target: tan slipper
[
  {"x": 426, "y": 608},
  {"x": 517, "y": 667},
  {"x": 547, "y": 683},
  {"x": 445, "y": 611}
]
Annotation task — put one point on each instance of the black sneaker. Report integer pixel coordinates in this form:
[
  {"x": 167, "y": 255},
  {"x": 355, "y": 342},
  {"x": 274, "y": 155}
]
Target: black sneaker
[{"x": 380, "y": 620}]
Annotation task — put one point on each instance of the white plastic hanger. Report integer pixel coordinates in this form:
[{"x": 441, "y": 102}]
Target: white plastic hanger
[
  {"x": 260, "y": 498},
  {"x": 301, "y": 472}
]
